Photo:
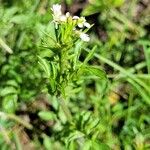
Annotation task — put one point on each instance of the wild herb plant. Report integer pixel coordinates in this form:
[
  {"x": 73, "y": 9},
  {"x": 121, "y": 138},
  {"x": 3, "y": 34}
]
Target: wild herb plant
[
  {"x": 64, "y": 68},
  {"x": 118, "y": 117}
]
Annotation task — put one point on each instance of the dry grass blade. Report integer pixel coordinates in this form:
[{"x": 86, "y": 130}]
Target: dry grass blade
[{"x": 5, "y": 46}]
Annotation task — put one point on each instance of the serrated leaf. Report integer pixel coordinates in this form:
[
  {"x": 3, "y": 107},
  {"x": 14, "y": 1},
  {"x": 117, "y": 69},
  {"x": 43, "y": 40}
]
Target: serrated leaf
[{"x": 44, "y": 64}]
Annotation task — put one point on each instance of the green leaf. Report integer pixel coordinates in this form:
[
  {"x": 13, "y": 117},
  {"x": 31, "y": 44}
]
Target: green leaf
[
  {"x": 90, "y": 10},
  {"x": 118, "y": 3},
  {"x": 86, "y": 117},
  {"x": 140, "y": 90},
  {"x": 146, "y": 53},
  {"x": 49, "y": 40},
  {"x": 47, "y": 142},
  {"x": 100, "y": 5},
  {"x": 50, "y": 31},
  {"x": 10, "y": 103},
  {"x": 93, "y": 70},
  {"x": 12, "y": 83},
  {"x": 73, "y": 145},
  {"x": 69, "y": 2},
  {"x": 90, "y": 55},
  {"x": 46, "y": 115},
  {"x": 75, "y": 135},
  {"x": 97, "y": 145},
  {"x": 52, "y": 85},
  {"x": 44, "y": 64},
  {"x": 8, "y": 90},
  {"x": 87, "y": 145},
  {"x": 93, "y": 125},
  {"x": 54, "y": 70},
  {"x": 20, "y": 19}
]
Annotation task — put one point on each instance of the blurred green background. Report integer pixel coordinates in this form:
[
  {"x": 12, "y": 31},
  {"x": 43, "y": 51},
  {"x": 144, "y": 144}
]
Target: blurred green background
[{"x": 107, "y": 116}]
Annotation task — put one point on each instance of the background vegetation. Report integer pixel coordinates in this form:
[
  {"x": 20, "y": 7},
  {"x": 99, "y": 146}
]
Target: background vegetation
[{"x": 111, "y": 114}]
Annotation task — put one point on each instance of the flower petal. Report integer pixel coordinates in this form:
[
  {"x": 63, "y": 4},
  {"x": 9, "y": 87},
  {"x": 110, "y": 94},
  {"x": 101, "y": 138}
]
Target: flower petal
[
  {"x": 85, "y": 37},
  {"x": 86, "y": 24}
]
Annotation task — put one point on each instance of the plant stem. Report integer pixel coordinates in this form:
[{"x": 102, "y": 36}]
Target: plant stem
[
  {"x": 62, "y": 79},
  {"x": 17, "y": 141},
  {"x": 65, "y": 109},
  {"x": 17, "y": 119},
  {"x": 5, "y": 135}
]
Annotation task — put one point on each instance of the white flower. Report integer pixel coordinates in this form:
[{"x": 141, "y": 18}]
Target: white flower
[
  {"x": 86, "y": 24},
  {"x": 60, "y": 19},
  {"x": 56, "y": 12},
  {"x": 82, "y": 23},
  {"x": 84, "y": 37},
  {"x": 75, "y": 18},
  {"x": 56, "y": 9},
  {"x": 67, "y": 14},
  {"x": 63, "y": 18}
]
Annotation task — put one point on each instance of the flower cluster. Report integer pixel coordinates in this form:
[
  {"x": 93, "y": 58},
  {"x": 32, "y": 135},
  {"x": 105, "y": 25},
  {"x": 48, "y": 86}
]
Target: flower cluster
[{"x": 75, "y": 23}]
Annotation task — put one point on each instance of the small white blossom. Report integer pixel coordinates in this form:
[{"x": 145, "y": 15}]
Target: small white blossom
[
  {"x": 67, "y": 14},
  {"x": 75, "y": 17},
  {"x": 80, "y": 25},
  {"x": 67, "y": 20},
  {"x": 63, "y": 18},
  {"x": 56, "y": 12},
  {"x": 81, "y": 22},
  {"x": 84, "y": 37},
  {"x": 86, "y": 24}
]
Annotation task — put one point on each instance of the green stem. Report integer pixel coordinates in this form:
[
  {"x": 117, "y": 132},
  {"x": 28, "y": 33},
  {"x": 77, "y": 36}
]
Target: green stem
[
  {"x": 62, "y": 64},
  {"x": 65, "y": 109},
  {"x": 5, "y": 135},
  {"x": 17, "y": 119},
  {"x": 17, "y": 141}
]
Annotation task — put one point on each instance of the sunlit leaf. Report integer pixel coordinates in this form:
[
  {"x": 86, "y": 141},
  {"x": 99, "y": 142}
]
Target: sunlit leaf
[
  {"x": 46, "y": 115},
  {"x": 44, "y": 64}
]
